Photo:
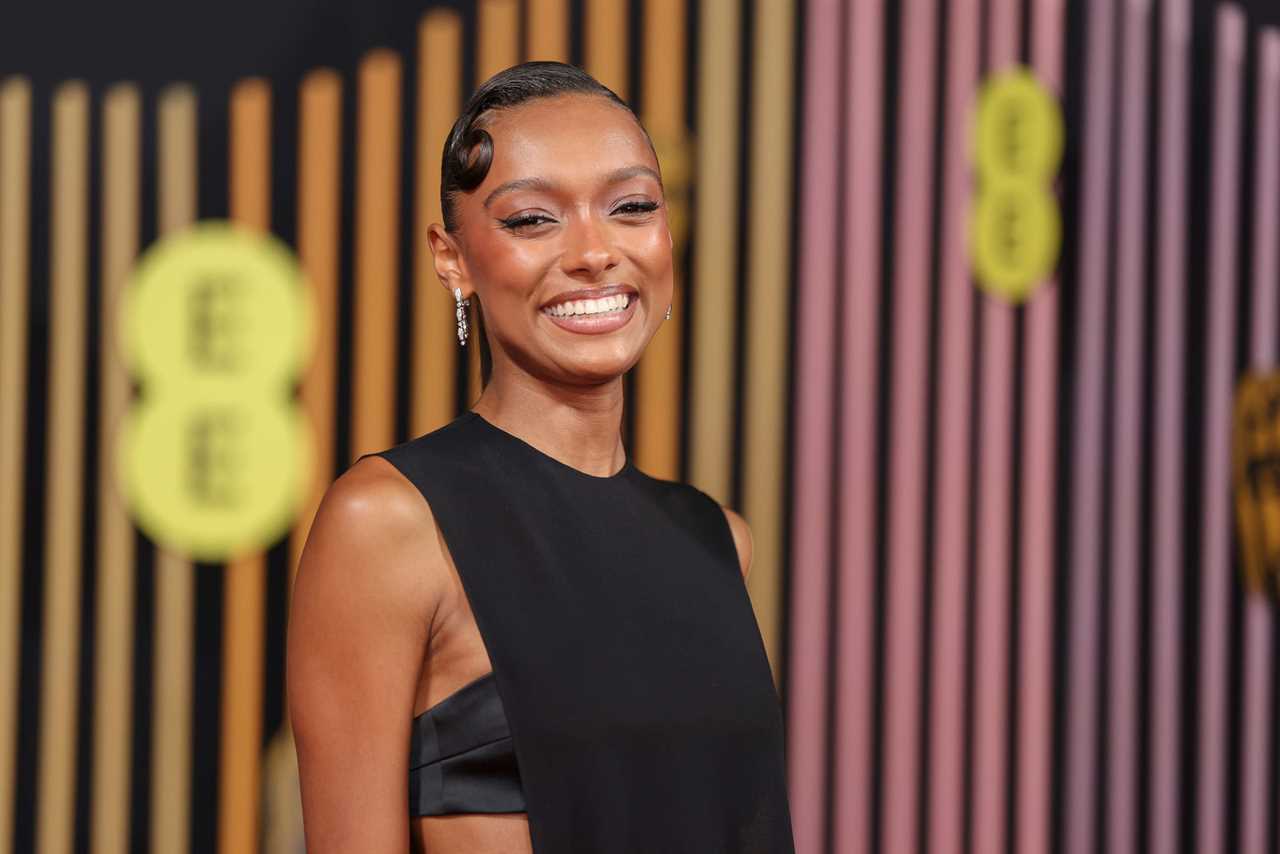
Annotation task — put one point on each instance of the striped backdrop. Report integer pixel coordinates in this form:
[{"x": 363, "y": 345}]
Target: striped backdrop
[{"x": 996, "y": 568}]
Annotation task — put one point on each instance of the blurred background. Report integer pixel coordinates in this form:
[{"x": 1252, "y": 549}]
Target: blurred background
[{"x": 976, "y": 320}]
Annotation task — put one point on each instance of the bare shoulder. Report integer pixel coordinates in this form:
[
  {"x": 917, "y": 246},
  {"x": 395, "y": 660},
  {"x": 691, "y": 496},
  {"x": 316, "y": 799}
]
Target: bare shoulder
[
  {"x": 368, "y": 585},
  {"x": 741, "y": 538}
]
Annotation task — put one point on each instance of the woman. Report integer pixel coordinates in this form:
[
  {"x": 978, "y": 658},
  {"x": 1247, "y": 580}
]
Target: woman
[{"x": 504, "y": 637}]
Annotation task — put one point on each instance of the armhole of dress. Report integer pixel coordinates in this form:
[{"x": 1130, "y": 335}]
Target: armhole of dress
[
  {"x": 728, "y": 545},
  {"x": 495, "y": 670}
]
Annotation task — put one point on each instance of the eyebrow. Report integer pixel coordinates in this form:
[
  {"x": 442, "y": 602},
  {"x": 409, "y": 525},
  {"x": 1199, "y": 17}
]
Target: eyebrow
[{"x": 617, "y": 176}]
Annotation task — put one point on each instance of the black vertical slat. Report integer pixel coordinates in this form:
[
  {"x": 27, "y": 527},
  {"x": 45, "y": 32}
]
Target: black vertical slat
[
  {"x": 214, "y": 173},
  {"x": 144, "y": 562},
  {"x": 1070, "y": 175},
  {"x": 892, "y": 90},
  {"x": 1203, "y": 49},
  {"x": 29, "y": 683},
  {"x": 88, "y": 516}
]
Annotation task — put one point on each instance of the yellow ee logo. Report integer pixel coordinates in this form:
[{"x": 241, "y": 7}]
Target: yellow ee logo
[
  {"x": 215, "y": 456},
  {"x": 1016, "y": 228}
]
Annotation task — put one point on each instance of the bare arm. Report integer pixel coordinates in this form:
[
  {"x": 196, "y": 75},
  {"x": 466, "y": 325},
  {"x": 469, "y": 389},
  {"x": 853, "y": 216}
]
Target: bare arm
[
  {"x": 366, "y": 592},
  {"x": 741, "y": 538}
]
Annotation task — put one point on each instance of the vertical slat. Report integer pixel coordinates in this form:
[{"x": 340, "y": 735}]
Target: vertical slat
[
  {"x": 769, "y": 295},
  {"x": 499, "y": 37},
  {"x": 113, "y": 687},
  {"x": 904, "y": 597},
  {"x": 1125, "y": 507},
  {"x": 1168, "y": 483},
  {"x": 605, "y": 48},
  {"x": 319, "y": 239},
  {"x": 548, "y": 30},
  {"x": 435, "y": 346},
  {"x": 1215, "y": 570},
  {"x": 658, "y": 375},
  {"x": 15, "y": 191},
  {"x": 952, "y": 443},
  {"x": 714, "y": 291},
  {"x": 60, "y": 659},
  {"x": 377, "y": 233},
  {"x": 811, "y": 468},
  {"x": 239, "y": 774},
  {"x": 1039, "y": 445},
  {"x": 1086, "y": 464},
  {"x": 171, "y": 745},
  {"x": 1259, "y": 615},
  {"x": 992, "y": 567}
]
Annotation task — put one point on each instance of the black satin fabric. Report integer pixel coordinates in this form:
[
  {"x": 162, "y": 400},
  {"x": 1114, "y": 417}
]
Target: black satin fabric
[
  {"x": 625, "y": 652},
  {"x": 460, "y": 757}
]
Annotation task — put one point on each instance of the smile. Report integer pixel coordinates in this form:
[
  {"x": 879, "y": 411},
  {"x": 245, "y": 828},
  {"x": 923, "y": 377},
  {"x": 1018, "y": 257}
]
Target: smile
[{"x": 592, "y": 316}]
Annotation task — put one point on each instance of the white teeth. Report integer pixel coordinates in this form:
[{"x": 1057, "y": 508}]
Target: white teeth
[{"x": 591, "y": 306}]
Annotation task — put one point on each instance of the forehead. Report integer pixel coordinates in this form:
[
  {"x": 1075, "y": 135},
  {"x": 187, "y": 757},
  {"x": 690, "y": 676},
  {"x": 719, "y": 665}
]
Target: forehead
[{"x": 567, "y": 139}]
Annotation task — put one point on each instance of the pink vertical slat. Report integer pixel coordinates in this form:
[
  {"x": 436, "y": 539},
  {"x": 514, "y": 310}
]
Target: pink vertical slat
[
  {"x": 1167, "y": 491},
  {"x": 810, "y": 558},
  {"x": 1215, "y": 569},
  {"x": 995, "y": 482},
  {"x": 1040, "y": 390},
  {"x": 905, "y": 553},
  {"x": 860, "y": 356},
  {"x": 1126, "y": 412},
  {"x": 951, "y": 451},
  {"x": 1086, "y": 500},
  {"x": 1259, "y": 616}
]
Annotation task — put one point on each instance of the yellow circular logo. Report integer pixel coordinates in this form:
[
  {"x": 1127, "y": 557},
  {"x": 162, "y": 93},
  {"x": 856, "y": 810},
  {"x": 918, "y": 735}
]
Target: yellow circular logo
[
  {"x": 1016, "y": 228},
  {"x": 215, "y": 456}
]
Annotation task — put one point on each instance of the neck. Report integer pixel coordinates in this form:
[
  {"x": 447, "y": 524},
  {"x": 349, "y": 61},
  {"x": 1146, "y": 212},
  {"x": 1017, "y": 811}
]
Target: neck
[{"x": 579, "y": 425}]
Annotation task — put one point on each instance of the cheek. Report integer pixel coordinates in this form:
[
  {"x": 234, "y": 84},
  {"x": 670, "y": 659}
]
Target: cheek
[
  {"x": 652, "y": 248},
  {"x": 511, "y": 264}
]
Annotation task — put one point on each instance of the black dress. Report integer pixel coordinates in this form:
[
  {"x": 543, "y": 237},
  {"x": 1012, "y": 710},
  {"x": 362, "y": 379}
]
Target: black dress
[{"x": 629, "y": 683}]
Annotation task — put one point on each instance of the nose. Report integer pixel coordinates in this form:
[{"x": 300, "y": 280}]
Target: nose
[{"x": 589, "y": 251}]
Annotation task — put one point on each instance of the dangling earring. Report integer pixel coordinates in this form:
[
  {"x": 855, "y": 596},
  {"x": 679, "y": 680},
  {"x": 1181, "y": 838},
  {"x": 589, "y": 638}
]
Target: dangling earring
[
  {"x": 461, "y": 313},
  {"x": 668, "y": 311}
]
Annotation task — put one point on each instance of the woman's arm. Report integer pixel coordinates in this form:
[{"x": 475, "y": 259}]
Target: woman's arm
[
  {"x": 741, "y": 538},
  {"x": 367, "y": 588}
]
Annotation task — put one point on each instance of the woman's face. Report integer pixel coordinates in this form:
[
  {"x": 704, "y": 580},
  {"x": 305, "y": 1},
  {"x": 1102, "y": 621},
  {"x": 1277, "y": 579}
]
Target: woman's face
[{"x": 572, "y": 201}]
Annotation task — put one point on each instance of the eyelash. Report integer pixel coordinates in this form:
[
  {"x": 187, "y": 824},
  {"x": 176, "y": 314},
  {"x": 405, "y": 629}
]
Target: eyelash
[{"x": 535, "y": 219}]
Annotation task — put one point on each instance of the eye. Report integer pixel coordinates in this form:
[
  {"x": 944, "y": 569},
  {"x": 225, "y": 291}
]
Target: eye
[
  {"x": 524, "y": 221},
  {"x": 636, "y": 207}
]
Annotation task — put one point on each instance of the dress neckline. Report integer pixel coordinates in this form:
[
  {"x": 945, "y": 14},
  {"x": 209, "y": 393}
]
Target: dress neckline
[{"x": 618, "y": 475}]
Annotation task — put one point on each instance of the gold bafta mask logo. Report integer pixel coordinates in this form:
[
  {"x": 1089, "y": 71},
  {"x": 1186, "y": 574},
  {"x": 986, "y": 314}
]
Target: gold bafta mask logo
[{"x": 1256, "y": 476}]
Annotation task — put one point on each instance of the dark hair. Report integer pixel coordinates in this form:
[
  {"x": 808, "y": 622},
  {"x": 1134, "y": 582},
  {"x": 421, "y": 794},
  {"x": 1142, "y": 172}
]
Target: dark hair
[{"x": 468, "y": 150}]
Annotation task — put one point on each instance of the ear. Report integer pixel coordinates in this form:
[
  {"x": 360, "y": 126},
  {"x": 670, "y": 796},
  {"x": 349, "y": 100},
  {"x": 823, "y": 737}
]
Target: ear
[{"x": 446, "y": 252}]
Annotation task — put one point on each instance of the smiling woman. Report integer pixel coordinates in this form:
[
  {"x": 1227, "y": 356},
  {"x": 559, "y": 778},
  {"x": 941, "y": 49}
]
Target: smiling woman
[{"x": 504, "y": 636}]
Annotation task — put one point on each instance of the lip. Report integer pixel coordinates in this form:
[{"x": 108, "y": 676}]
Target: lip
[
  {"x": 591, "y": 293},
  {"x": 595, "y": 324}
]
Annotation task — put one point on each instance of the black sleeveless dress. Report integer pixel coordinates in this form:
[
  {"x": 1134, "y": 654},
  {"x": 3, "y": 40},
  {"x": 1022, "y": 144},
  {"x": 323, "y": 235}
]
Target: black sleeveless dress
[{"x": 628, "y": 668}]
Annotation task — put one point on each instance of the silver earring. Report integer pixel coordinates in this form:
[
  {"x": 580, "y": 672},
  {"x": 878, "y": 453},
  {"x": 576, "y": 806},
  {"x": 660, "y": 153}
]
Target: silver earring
[
  {"x": 668, "y": 311},
  {"x": 461, "y": 313}
]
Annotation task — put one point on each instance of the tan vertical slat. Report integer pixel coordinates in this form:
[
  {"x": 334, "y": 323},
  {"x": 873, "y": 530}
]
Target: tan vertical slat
[
  {"x": 15, "y": 189},
  {"x": 319, "y": 211},
  {"x": 60, "y": 653},
  {"x": 657, "y": 383},
  {"x": 113, "y": 700},
  {"x": 769, "y": 292},
  {"x": 171, "y": 742},
  {"x": 377, "y": 255},
  {"x": 548, "y": 30},
  {"x": 435, "y": 344},
  {"x": 498, "y": 25},
  {"x": 239, "y": 775},
  {"x": 498, "y": 48},
  {"x": 605, "y": 53},
  {"x": 714, "y": 289}
]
